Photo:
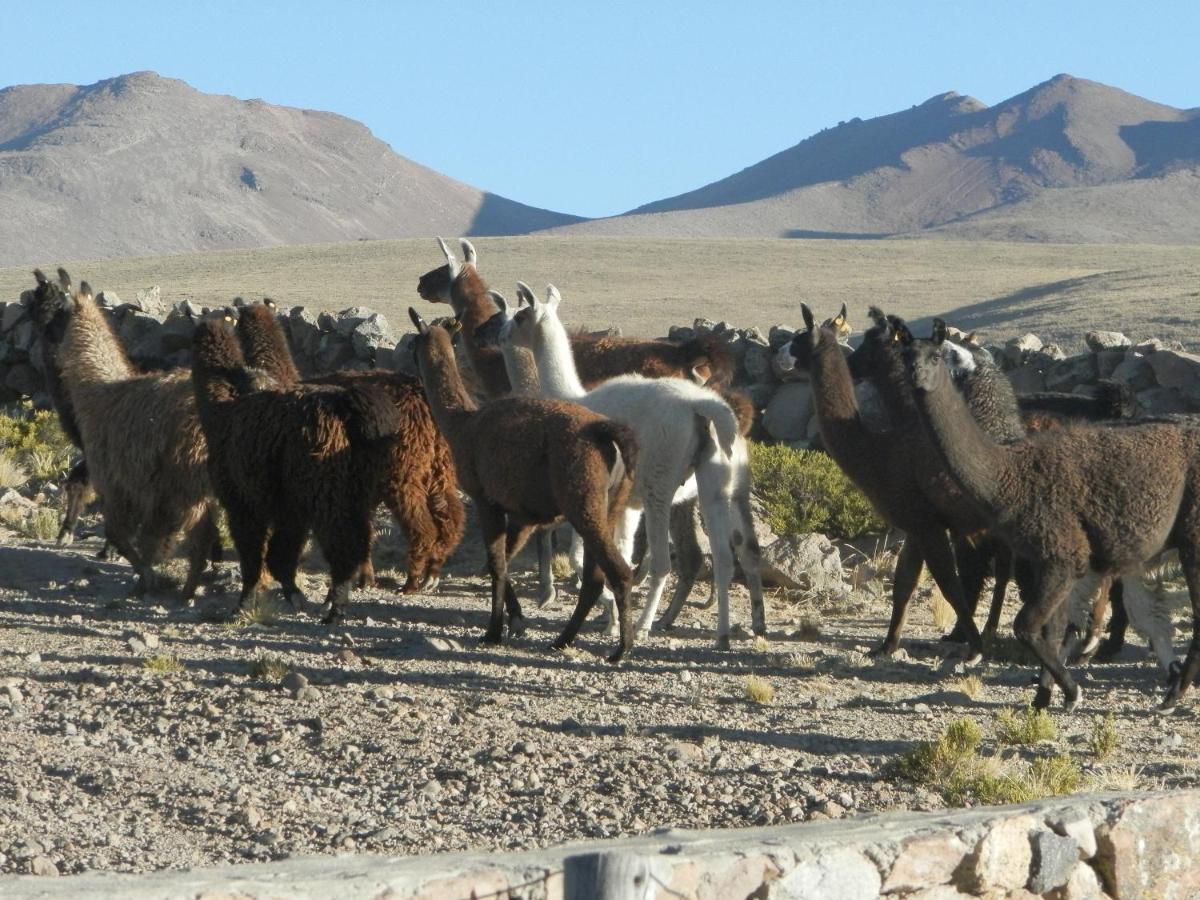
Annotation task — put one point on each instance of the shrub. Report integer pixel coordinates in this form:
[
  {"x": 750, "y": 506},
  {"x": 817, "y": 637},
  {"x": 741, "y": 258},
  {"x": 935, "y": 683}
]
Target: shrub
[
  {"x": 1103, "y": 739},
  {"x": 805, "y": 491},
  {"x": 268, "y": 668},
  {"x": 163, "y": 664},
  {"x": 263, "y": 609},
  {"x": 12, "y": 473},
  {"x": 1030, "y": 726},
  {"x": 34, "y": 441}
]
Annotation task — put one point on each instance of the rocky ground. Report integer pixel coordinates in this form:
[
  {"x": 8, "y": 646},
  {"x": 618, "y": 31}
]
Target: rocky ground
[{"x": 399, "y": 733}]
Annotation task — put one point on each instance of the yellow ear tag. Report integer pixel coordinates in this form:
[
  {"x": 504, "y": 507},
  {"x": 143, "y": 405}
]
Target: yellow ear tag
[{"x": 895, "y": 337}]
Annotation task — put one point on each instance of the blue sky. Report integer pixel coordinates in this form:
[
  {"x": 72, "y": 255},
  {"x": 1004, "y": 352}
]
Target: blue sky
[{"x": 594, "y": 108}]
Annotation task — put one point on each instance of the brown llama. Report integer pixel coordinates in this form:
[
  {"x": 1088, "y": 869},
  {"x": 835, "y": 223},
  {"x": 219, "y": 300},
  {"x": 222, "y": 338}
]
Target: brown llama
[
  {"x": 1071, "y": 502},
  {"x": 703, "y": 360},
  {"x": 146, "y": 453},
  {"x": 420, "y": 487},
  {"x": 51, "y": 310},
  {"x": 526, "y": 463},
  {"x": 895, "y": 475},
  {"x": 284, "y": 462}
]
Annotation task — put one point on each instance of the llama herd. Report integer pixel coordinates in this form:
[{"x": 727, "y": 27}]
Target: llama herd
[{"x": 1069, "y": 496}]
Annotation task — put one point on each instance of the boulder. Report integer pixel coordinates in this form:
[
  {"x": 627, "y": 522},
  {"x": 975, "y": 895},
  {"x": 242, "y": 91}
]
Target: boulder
[
  {"x": 349, "y": 319},
  {"x": 1070, "y": 373},
  {"x": 1027, "y": 380},
  {"x": 757, "y": 364},
  {"x": 809, "y": 562},
  {"x": 1018, "y": 349},
  {"x": 1175, "y": 369},
  {"x": 1159, "y": 401},
  {"x": 333, "y": 353},
  {"x": 303, "y": 331},
  {"x": 680, "y": 333},
  {"x": 786, "y": 417},
  {"x": 141, "y": 334},
  {"x": 1107, "y": 362},
  {"x": 1003, "y": 857},
  {"x": 1150, "y": 848},
  {"x": 23, "y": 379},
  {"x": 370, "y": 336},
  {"x": 924, "y": 861},
  {"x": 149, "y": 300},
  {"x": 1106, "y": 340},
  {"x": 1134, "y": 371},
  {"x": 177, "y": 332},
  {"x": 403, "y": 359},
  {"x": 1054, "y": 858},
  {"x": 108, "y": 299}
]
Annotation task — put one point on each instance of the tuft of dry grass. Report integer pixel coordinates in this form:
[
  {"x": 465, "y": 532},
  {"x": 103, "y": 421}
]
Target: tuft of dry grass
[
  {"x": 163, "y": 664},
  {"x": 969, "y": 685},
  {"x": 267, "y": 667},
  {"x": 12, "y": 473},
  {"x": 944, "y": 616},
  {"x": 560, "y": 566},
  {"x": 759, "y": 690},
  {"x": 263, "y": 609},
  {"x": 1103, "y": 739}
]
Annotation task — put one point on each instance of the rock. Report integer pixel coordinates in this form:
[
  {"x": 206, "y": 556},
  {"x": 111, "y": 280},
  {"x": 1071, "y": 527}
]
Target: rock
[
  {"x": 1178, "y": 370},
  {"x": 1160, "y": 401},
  {"x": 1082, "y": 884},
  {"x": 432, "y": 790},
  {"x": 1003, "y": 857},
  {"x": 177, "y": 331},
  {"x": 13, "y": 313},
  {"x": 371, "y": 336},
  {"x": 831, "y": 874},
  {"x": 403, "y": 360},
  {"x": 141, "y": 334},
  {"x": 680, "y": 334},
  {"x": 44, "y": 866},
  {"x": 1070, "y": 373},
  {"x": 108, "y": 299},
  {"x": 293, "y": 681},
  {"x": 786, "y": 417},
  {"x": 924, "y": 861},
  {"x": 1106, "y": 340},
  {"x": 1027, "y": 380},
  {"x": 1134, "y": 371},
  {"x": 333, "y": 353},
  {"x": 307, "y": 693},
  {"x": 757, "y": 363},
  {"x": 349, "y": 319},
  {"x": 136, "y": 645},
  {"x": 1107, "y": 362},
  {"x": 1054, "y": 857},
  {"x": 1017, "y": 349},
  {"x": 684, "y": 751},
  {"x": 23, "y": 379},
  {"x": 809, "y": 562},
  {"x": 149, "y": 300},
  {"x": 1077, "y": 826},
  {"x": 1151, "y": 848}
]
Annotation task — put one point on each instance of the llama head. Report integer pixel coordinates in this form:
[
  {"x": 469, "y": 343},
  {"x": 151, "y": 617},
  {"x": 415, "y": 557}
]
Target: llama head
[
  {"x": 432, "y": 346},
  {"x": 51, "y": 307},
  {"x": 436, "y": 284},
  {"x": 798, "y": 353},
  {"x": 924, "y": 360},
  {"x": 522, "y": 329},
  {"x": 879, "y": 345},
  {"x": 960, "y": 361}
]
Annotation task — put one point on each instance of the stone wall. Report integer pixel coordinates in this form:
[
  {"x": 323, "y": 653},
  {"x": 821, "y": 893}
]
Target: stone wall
[
  {"x": 1163, "y": 376},
  {"x": 1066, "y": 848}
]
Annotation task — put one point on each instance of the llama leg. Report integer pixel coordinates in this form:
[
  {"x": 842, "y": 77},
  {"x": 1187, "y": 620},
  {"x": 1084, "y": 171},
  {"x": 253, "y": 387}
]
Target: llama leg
[
  {"x": 689, "y": 558},
  {"x": 657, "y": 514},
  {"x": 749, "y": 555},
  {"x": 250, "y": 539},
  {"x": 1002, "y": 565},
  {"x": 345, "y": 541},
  {"x": 411, "y": 512},
  {"x": 715, "y": 505},
  {"x": 939, "y": 556},
  {"x": 492, "y": 524},
  {"x": 639, "y": 558},
  {"x": 446, "y": 510},
  {"x": 1181, "y": 678},
  {"x": 77, "y": 489},
  {"x": 973, "y": 561},
  {"x": 904, "y": 581},
  {"x": 1150, "y": 618},
  {"x": 1049, "y": 589},
  {"x": 589, "y": 592},
  {"x": 199, "y": 545},
  {"x": 547, "y": 592},
  {"x": 1093, "y": 622},
  {"x": 1118, "y": 623},
  {"x": 620, "y": 581},
  {"x": 283, "y": 557},
  {"x": 516, "y": 538}
]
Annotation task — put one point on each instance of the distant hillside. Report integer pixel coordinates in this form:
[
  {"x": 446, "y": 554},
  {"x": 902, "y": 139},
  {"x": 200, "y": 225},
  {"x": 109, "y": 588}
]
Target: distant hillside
[
  {"x": 1069, "y": 160},
  {"x": 141, "y": 164}
]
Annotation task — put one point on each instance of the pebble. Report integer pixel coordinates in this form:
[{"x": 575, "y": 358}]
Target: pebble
[
  {"x": 43, "y": 865},
  {"x": 293, "y": 681}
]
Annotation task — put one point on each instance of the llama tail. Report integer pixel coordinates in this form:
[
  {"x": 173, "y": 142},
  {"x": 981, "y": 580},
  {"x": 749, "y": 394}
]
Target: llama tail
[
  {"x": 606, "y": 432},
  {"x": 717, "y": 412},
  {"x": 709, "y": 359}
]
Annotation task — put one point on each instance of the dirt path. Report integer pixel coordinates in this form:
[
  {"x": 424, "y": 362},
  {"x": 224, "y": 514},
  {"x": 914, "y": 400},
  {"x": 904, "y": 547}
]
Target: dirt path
[{"x": 411, "y": 737}]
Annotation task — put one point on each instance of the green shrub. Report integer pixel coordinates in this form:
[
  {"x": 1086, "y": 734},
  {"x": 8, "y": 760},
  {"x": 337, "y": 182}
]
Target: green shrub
[
  {"x": 1030, "y": 726},
  {"x": 34, "y": 441},
  {"x": 805, "y": 491}
]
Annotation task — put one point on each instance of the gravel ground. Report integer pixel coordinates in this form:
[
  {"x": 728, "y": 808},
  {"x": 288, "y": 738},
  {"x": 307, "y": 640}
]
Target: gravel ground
[{"x": 399, "y": 733}]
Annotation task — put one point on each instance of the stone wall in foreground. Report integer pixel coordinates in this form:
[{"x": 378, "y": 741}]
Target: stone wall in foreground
[
  {"x": 1163, "y": 377},
  {"x": 1068, "y": 848}
]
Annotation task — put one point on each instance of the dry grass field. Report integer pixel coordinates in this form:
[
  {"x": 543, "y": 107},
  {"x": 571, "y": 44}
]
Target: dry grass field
[{"x": 644, "y": 285}]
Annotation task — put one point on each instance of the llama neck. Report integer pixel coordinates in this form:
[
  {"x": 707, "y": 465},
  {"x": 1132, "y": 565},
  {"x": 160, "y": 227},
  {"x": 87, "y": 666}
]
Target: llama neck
[
  {"x": 470, "y": 301},
  {"x": 555, "y": 362},
  {"x": 522, "y": 370},
  {"x": 449, "y": 401},
  {"x": 92, "y": 352},
  {"x": 895, "y": 389},
  {"x": 974, "y": 460}
]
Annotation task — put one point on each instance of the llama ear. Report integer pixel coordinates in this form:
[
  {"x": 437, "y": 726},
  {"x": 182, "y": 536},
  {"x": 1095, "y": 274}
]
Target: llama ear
[
  {"x": 422, "y": 328},
  {"x": 876, "y": 315},
  {"x": 468, "y": 250},
  {"x": 500, "y": 301},
  {"x": 450, "y": 260},
  {"x": 971, "y": 338},
  {"x": 939, "y": 332},
  {"x": 40, "y": 277},
  {"x": 900, "y": 332},
  {"x": 64, "y": 280},
  {"x": 524, "y": 294},
  {"x": 806, "y": 313},
  {"x": 838, "y": 322},
  {"x": 553, "y": 298},
  {"x": 269, "y": 303},
  {"x": 85, "y": 289}
]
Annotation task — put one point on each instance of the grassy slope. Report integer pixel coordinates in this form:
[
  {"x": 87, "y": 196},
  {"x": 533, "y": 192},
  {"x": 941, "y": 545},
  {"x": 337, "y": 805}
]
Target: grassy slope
[{"x": 644, "y": 285}]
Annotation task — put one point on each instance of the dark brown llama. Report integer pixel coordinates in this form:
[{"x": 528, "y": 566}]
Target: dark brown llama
[
  {"x": 287, "y": 461},
  {"x": 895, "y": 475},
  {"x": 527, "y": 463},
  {"x": 419, "y": 487},
  {"x": 1072, "y": 502}
]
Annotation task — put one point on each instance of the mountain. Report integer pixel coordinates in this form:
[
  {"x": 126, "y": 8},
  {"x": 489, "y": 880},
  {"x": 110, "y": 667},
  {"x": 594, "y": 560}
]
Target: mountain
[
  {"x": 1068, "y": 160},
  {"x": 143, "y": 165}
]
